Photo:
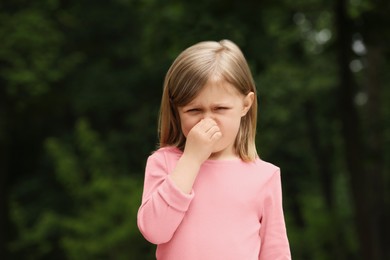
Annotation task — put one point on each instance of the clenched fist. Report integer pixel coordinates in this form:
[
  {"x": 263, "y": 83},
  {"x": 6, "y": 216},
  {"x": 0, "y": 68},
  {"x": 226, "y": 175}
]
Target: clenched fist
[{"x": 201, "y": 139}]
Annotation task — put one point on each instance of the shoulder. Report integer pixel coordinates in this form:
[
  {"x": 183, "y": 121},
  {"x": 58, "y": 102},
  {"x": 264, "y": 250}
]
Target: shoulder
[
  {"x": 266, "y": 169},
  {"x": 164, "y": 157},
  {"x": 266, "y": 172},
  {"x": 266, "y": 166},
  {"x": 166, "y": 152}
]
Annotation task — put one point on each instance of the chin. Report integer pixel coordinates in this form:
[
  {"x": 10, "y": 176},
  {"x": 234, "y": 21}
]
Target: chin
[{"x": 220, "y": 149}]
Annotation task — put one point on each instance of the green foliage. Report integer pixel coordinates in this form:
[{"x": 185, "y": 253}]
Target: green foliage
[
  {"x": 97, "y": 216},
  {"x": 30, "y": 52},
  {"x": 80, "y": 89}
]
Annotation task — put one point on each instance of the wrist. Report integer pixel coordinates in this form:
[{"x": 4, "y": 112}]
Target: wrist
[{"x": 192, "y": 162}]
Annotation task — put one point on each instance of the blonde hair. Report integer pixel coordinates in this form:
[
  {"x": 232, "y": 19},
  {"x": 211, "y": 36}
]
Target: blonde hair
[{"x": 186, "y": 77}]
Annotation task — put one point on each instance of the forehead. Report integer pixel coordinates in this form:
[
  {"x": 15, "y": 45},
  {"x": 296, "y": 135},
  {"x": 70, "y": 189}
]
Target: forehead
[{"x": 216, "y": 91}]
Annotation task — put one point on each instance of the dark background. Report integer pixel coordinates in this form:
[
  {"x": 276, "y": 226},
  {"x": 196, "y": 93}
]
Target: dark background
[{"x": 80, "y": 87}]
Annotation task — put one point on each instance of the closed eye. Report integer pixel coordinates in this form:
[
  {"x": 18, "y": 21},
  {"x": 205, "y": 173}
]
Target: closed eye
[
  {"x": 193, "y": 110},
  {"x": 221, "y": 108}
]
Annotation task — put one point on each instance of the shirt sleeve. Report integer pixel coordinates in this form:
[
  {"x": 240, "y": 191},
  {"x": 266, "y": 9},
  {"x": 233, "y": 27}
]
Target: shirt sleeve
[
  {"x": 163, "y": 204},
  {"x": 273, "y": 234}
]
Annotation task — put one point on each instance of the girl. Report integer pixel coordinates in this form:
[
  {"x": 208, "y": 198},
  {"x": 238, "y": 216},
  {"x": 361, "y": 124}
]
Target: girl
[{"x": 207, "y": 195}]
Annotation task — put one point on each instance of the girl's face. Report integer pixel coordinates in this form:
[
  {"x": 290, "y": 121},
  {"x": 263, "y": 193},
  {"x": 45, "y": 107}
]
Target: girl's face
[{"x": 220, "y": 101}]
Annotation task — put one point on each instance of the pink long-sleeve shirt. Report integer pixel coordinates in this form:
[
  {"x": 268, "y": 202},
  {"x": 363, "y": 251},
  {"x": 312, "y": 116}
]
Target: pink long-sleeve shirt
[{"x": 233, "y": 212}]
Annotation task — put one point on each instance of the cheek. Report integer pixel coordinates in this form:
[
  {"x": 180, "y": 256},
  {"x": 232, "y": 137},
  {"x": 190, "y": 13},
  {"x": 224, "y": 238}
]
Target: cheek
[
  {"x": 187, "y": 124},
  {"x": 229, "y": 126}
]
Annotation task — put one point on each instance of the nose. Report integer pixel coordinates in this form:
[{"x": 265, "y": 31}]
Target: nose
[{"x": 210, "y": 115}]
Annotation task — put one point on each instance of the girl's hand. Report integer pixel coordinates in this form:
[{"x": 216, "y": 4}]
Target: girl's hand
[
  {"x": 200, "y": 144},
  {"x": 201, "y": 140}
]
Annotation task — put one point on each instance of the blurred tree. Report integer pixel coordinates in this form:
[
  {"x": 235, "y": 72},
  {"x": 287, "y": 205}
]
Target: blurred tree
[
  {"x": 363, "y": 130},
  {"x": 29, "y": 54},
  {"x": 96, "y": 219}
]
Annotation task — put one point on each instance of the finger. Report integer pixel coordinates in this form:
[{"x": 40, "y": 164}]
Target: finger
[
  {"x": 206, "y": 126},
  {"x": 212, "y": 130},
  {"x": 214, "y": 133},
  {"x": 207, "y": 122},
  {"x": 216, "y": 136}
]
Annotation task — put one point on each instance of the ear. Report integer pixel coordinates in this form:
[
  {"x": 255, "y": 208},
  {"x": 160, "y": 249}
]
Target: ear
[{"x": 247, "y": 104}]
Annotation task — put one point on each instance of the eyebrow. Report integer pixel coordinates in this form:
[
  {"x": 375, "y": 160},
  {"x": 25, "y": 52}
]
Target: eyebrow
[{"x": 219, "y": 104}]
